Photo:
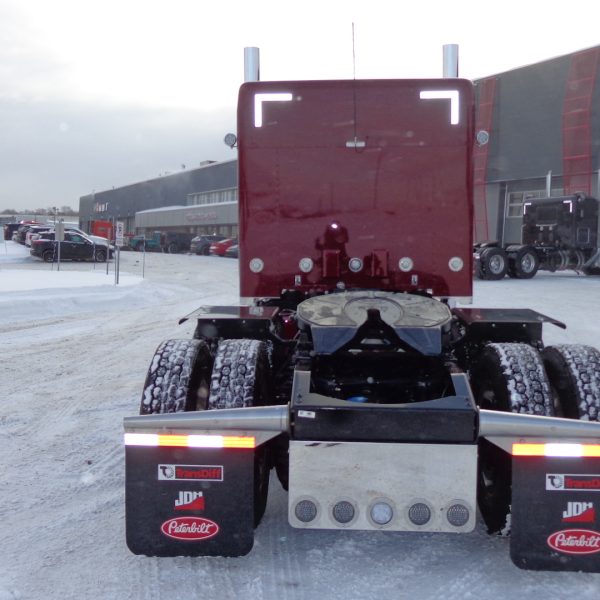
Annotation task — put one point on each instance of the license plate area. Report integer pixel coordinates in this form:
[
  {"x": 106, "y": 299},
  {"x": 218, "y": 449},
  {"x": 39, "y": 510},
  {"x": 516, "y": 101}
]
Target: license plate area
[{"x": 396, "y": 487}]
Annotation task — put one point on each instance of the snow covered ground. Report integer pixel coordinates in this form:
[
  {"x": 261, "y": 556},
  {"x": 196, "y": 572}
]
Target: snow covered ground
[{"x": 75, "y": 350}]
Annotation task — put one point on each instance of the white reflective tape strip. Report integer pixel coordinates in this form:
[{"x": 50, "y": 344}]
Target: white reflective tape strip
[
  {"x": 141, "y": 439},
  {"x": 205, "y": 441},
  {"x": 270, "y": 97},
  {"x": 451, "y": 95},
  {"x": 564, "y": 450}
]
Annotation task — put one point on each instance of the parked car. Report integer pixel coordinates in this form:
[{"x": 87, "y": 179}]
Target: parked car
[
  {"x": 161, "y": 241},
  {"x": 21, "y": 232},
  {"x": 232, "y": 251},
  {"x": 201, "y": 243},
  {"x": 10, "y": 229},
  {"x": 76, "y": 246},
  {"x": 41, "y": 234},
  {"x": 34, "y": 231},
  {"x": 219, "y": 248}
]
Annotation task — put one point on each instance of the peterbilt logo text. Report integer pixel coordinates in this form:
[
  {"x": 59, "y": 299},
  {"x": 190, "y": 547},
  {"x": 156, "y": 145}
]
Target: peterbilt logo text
[
  {"x": 189, "y": 501},
  {"x": 579, "y": 512},
  {"x": 585, "y": 483},
  {"x": 575, "y": 541},
  {"x": 189, "y": 528},
  {"x": 190, "y": 473}
]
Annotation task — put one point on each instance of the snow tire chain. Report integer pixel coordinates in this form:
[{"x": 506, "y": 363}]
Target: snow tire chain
[
  {"x": 583, "y": 367},
  {"x": 166, "y": 387},
  {"x": 233, "y": 378},
  {"x": 528, "y": 386}
]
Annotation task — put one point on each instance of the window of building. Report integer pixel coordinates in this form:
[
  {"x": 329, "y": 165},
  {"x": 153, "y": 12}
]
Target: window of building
[
  {"x": 212, "y": 197},
  {"x": 515, "y": 200}
]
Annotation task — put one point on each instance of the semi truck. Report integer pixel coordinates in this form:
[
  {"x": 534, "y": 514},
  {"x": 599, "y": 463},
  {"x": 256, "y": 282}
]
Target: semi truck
[
  {"x": 353, "y": 368},
  {"x": 558, "y": 234}
]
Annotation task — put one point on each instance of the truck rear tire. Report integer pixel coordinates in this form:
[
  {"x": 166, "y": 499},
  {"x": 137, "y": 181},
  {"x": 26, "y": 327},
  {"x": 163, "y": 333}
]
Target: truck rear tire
[
  {"x": 494, "y": 263},
  {"x": 240, "y": 378},
  {"x": 172, "y": 248},
  {"x": 178, "y": 378},
  {"x": 509, "y": 378},
  {"x": 525, "y": 263},
  {"x": 574, "y": 374}
]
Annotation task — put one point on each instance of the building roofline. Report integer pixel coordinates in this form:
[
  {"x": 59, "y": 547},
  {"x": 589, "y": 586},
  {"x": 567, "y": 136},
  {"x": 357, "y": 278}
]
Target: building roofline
[
  {"x": 535, "y": 64},
  {"x": 161, "y": 177}
]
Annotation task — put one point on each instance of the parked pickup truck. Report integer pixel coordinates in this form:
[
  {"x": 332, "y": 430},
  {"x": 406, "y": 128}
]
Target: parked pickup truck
[{"x": 162, "y": 241}]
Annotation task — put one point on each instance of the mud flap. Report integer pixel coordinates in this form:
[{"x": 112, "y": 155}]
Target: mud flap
[
  {"x": 556, "y": 514},
  {"x": 189, "y": 501}
]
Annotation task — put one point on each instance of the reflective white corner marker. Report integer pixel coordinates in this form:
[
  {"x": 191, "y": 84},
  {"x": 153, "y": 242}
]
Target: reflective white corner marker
[
  {"x": 271, "y": 97},
  {"x": 451, "y": 95}
]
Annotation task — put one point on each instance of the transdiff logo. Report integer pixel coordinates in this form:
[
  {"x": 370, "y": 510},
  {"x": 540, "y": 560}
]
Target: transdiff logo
[
  {"x": 579, "y": 483},
  {"x": 190, "y": 473},
  {"x": 579, "y": 512},
  {"x": 189, "y": 501}
]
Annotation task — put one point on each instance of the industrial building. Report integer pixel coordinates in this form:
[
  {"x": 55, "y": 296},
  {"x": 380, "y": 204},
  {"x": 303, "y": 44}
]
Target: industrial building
[
  {"x": 201, "y": 200},
  {"x": 543, "y": 122},
  {"x": 538, "y": 132}
]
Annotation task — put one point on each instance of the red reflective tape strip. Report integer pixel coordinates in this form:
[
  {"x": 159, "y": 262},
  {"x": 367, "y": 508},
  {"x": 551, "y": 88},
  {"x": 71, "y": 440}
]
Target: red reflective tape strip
[
  {"x": 557, "y": 450},
  {"x": 189, "y": 441}
]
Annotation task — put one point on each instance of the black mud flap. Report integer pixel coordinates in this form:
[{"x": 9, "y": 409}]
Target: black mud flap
[
  {"x": 556, "y": 514},
  {"x": 189, "y": 501}
]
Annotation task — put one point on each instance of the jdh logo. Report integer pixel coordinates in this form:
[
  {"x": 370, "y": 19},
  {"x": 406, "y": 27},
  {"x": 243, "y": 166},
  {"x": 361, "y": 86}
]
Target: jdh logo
[
  {"x": 579, "y": 512},
  {"x": 189, "y": 501}
]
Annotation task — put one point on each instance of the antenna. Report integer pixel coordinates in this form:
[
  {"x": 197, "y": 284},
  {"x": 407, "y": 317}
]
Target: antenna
[
  {"x": 355, "y": 143},
  {"x": 353, "y": 54}
]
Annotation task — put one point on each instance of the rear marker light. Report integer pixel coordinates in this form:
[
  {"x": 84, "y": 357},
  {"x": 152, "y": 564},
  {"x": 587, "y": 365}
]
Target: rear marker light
[
  {"x": 306, "y": 265},
  {"x": 343, "y": 512},
  {"x": 419, "y": 514},
  {"x": 406, "y": 264},
  {"x": 257, "y": 265},
  {"x": 557, "y": 450},
  {"x": 305, "y": 511},
  {"x": 355, "y": 265},
  {"x": 381, "y": 513},
  {"x": 456, "y": 264},
  {"x": 189, "y": 441},
  {"x": 458, "y": 515}
]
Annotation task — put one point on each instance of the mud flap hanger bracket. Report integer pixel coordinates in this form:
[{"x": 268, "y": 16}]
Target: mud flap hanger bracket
[
  {"x": 261, "y": 422},
  {"x": 503, "y": 429}
]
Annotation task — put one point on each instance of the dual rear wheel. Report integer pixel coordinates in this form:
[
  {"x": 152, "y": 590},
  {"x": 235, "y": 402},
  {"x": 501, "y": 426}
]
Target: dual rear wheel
[
  {"x": 184, "y": 376},
  {"x": 562, "y": 380},
  {"x": 521, "y": 262}
]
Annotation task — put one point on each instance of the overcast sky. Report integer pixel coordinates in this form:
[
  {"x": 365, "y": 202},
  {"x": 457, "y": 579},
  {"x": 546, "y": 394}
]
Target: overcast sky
[{"x": 102, "y": 93}]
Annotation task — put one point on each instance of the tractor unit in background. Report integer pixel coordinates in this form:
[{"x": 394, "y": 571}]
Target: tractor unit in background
[
  {"x": 347, "y": 368},
  {"x": 557, "y": 234}
]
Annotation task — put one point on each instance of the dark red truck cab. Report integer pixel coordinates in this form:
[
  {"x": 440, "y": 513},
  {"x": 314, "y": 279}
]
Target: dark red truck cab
[{"x": 374, "y": 177}]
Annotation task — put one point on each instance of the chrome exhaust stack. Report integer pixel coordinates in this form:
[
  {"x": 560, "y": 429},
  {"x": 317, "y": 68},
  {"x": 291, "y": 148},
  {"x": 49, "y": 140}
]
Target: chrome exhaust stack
[
  {"x": 450, "y": 60},
  {"x": 251, "y": 64}
]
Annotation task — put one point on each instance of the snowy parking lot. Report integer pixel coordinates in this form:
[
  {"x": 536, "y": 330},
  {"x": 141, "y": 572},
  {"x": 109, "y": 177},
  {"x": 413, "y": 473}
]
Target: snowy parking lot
[{"x": 76, "y": 348}]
